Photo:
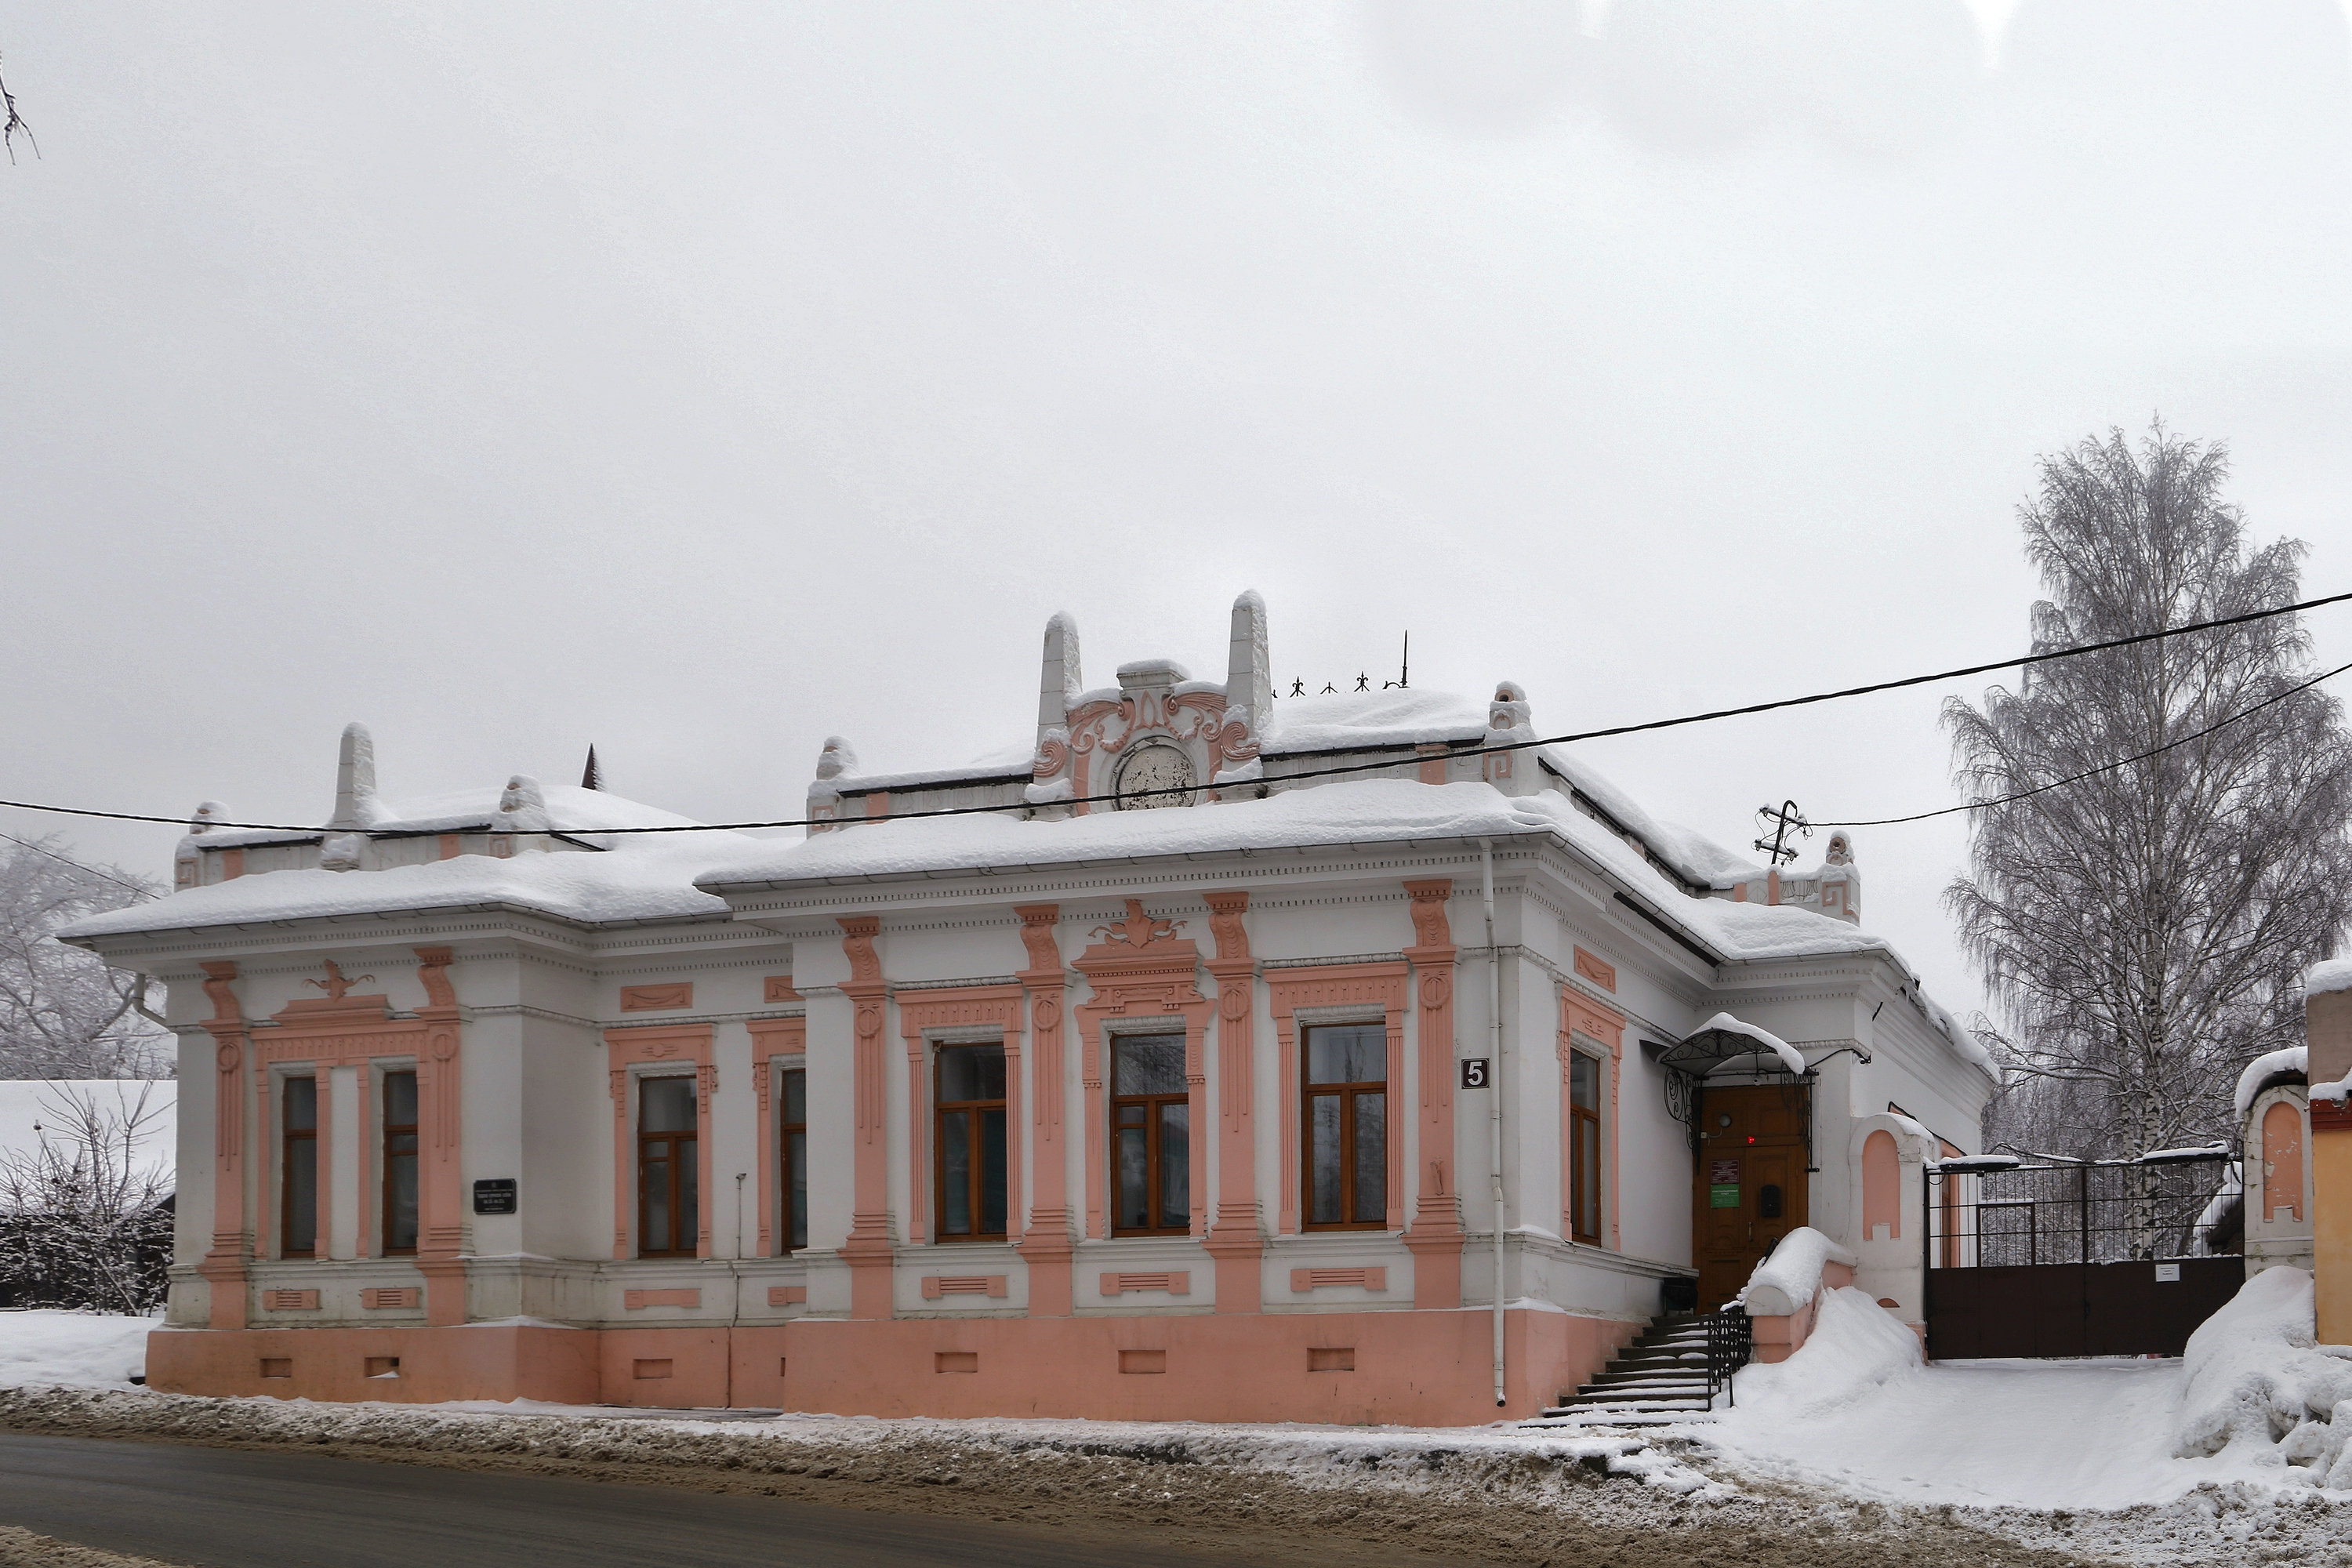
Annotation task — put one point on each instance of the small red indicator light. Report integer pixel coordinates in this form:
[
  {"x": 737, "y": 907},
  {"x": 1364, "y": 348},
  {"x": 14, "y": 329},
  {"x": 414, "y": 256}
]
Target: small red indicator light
[{"x": 1752, "y": 1140}]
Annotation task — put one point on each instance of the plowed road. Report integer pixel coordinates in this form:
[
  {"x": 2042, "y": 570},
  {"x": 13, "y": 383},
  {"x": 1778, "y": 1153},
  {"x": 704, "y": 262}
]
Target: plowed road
[{"x": 225, "y": 1508}]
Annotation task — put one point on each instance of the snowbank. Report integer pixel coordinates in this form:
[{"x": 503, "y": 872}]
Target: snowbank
[
  {"x": 78, "y": 1350},
  {"x": 1856, "y": 1347},
  {"x": 1787, "y": 1281},
  {"x": 2261, "y": 1392},
  {"x": 1788, "y": 1053},
  {"x": 2265, "y": 1070}
]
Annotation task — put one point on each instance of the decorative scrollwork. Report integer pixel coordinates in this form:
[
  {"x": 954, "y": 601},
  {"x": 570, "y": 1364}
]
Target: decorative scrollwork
[{"x": 1681, "y": 1096}]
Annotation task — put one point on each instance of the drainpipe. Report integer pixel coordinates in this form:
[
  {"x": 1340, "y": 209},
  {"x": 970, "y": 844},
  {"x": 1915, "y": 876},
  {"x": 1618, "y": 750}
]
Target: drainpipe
[{"x": 1493, "y": 1094}]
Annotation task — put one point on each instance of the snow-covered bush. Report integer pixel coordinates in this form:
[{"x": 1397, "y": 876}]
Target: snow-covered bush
[{"x": 2259, "y": 1385}]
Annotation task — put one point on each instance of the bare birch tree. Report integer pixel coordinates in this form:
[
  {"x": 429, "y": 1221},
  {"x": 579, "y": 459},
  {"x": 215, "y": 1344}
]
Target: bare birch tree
[
  {"x": 63, "y": 1013},
  {"x": 2141, "y": 929},
  {"x": 82, "y": 1218}
]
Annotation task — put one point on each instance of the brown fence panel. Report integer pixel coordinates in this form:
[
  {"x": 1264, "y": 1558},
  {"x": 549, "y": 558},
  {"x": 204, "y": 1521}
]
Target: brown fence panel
[
  {"x": 2129, "y": 1312},
  {"x": 2021, "y": 1310}
]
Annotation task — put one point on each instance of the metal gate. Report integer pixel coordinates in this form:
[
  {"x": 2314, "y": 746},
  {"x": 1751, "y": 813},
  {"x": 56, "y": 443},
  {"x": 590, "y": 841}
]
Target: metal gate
[{"x": 2059, "y": 1258}]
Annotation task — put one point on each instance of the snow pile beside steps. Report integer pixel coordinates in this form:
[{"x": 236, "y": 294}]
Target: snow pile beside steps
[
  {"x": 72, "y": 1350},
  {"x": 1856, "y": 1350},
  {"x": 2263, "y": 1393},
  {"x": 1785, "y": 1281}
]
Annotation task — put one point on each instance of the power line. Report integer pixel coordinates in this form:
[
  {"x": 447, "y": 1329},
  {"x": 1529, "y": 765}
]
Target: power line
[
  {"x": 69, "y": 860},
  {"x": 2103, "y": 767},
  {"x": 2020, "y": 662}
]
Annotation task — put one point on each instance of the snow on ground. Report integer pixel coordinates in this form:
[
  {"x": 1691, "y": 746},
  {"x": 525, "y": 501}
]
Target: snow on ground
[
  {"x": 77, "y": 1349},
  {"x": 2171, "y": 1462},
  {"x": 1857, "y": 1409},
  {"x": 2261, "y": 1394}
]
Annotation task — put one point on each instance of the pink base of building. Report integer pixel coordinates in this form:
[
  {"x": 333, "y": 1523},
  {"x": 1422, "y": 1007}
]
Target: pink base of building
[{"x": 1420, "y": 1369}]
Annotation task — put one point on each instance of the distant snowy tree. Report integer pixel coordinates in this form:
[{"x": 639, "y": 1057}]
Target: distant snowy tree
[
  {"x": 63, "y": 1013},
  {"x": 83, "y": 1222},
  {"x": 2141, "y": 931}
]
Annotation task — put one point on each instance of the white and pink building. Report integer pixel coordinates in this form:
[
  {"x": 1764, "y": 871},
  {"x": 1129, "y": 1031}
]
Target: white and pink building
[{"x": 1176, "y": 1084}]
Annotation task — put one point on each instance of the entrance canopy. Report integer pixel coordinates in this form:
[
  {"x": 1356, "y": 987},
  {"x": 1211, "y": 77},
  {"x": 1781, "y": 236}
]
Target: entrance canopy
[{"x": 1724, "y": 1038}]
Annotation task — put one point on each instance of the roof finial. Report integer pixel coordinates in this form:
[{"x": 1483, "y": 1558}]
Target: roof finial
[
  {"x": 354, "y": 777},
  {"x": 590, "y": 778}
]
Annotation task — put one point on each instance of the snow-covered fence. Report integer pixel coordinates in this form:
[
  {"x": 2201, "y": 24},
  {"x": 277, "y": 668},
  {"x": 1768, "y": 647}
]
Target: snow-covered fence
[{"x": 1783, "y": 1295}]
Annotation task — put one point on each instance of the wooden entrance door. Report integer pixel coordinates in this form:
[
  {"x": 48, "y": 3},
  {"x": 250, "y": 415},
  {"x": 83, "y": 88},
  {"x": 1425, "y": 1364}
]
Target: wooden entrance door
[{"x": 1750, "y": 1187}]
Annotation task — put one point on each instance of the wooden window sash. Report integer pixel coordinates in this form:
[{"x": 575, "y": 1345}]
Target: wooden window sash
[
  {"x": 413, "y": 1154},
  {"x": 976, "y": 1118},
  {"x": 290, "y": 1140},
  {"x": 681, "y": 1151},
  {"x": 1154, "y": 1154},
  {"x": 788, "y": 1217},
  {"x": 1347, "y": 1094}
]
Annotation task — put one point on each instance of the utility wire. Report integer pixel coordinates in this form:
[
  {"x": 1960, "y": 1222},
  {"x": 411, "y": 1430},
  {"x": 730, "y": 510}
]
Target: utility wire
[
  {"x": 69, "y": 860},
  {"x": 2103, "y": 767},
  {"x": 2021, "y": 662}
]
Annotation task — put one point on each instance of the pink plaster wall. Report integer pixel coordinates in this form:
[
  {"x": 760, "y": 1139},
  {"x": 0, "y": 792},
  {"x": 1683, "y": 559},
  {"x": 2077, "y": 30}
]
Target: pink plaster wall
[{"x": 1415, "y": 1368}]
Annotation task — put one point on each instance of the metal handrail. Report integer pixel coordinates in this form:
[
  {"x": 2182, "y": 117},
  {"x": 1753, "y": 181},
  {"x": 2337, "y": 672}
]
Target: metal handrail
[{"x": 1730, "y": 1339}]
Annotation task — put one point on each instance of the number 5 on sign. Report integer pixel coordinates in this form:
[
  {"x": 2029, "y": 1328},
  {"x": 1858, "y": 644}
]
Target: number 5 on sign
[{"x": 1474, "y": 1072}]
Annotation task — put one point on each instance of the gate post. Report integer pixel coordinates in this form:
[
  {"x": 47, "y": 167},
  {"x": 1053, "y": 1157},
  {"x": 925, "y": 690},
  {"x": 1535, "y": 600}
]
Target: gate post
[{"x": 2327, "y": 1032}]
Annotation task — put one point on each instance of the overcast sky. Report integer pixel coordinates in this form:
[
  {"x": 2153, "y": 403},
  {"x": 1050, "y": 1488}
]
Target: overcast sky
[{"x": 703, "y": 380}]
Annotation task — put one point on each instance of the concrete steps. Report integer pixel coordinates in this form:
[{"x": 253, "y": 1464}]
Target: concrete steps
[{"x": 1658, "y": 1380}]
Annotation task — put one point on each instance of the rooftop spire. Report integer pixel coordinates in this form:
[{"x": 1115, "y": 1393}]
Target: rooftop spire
[
  {"x": 354, "y": 777},
  {"x": 1249, "y": 674},
  {"x": 590, "y": 778}
]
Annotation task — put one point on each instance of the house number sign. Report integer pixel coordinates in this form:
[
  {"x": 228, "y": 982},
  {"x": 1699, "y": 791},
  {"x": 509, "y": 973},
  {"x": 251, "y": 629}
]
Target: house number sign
[{"x": 1474, "y": 1072}]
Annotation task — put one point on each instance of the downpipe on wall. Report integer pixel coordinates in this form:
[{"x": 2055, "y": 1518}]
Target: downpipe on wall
[{"x": 1494, "y": 1092}]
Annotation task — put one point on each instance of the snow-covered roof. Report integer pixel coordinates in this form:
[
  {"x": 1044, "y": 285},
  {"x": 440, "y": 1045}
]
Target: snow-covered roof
[
  {"x": 1359, "y": 721},
  {"x": 1379, "y": 720},
  {"x": 1344, "y": 812},
  {"x": 2274, "y": 1066},
  {"x": 2334, "y": 974},
  {"x": 639, "y": 877},
  {"x": 31, "y": 1109},
  {"x": 580, "y": 813}
]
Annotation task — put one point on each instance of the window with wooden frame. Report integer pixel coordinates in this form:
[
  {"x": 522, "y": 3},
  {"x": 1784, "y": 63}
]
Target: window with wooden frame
[
  {"x": 1584, "y": 1147},
  {"x": 297, "y": 1161},
  {"x": 399, "y": 1163},
  {"x": 1347, "y": 1106},
  {"x": 968, "y": 1141},
  {"x": 1150, "y": 1136},
  {"x": 669, "y": 1168},
  {"x": 792, "y": 1166}
]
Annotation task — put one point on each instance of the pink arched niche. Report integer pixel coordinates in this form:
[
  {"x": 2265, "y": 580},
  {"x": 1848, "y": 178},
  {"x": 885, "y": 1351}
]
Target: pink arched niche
[
  {"x": 2282, "y": 1162},
  {"x": 1882, "y": 1186}
]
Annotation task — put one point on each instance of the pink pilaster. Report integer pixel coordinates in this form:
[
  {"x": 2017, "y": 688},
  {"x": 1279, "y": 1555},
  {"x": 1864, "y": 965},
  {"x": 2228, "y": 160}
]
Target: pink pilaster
[
  {"x": 1236, "y": 1240},
  {"x": 223, "y": 1265},
  {"x": 1434, "y": 1239},
  {"x": 1045, "y": 1244},
  {"x": 867, "y": 1248}
]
